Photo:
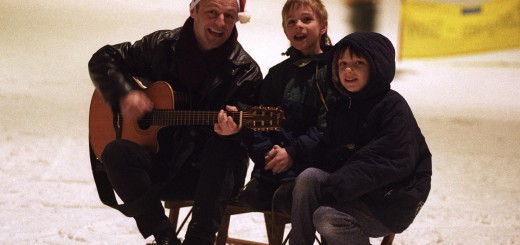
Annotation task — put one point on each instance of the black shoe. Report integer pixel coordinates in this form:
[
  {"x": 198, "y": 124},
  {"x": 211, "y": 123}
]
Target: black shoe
[
  {"x": 196, "y": 241},
  {"x": 171, "y": 240},
  {"x": 166, "y": 238}
]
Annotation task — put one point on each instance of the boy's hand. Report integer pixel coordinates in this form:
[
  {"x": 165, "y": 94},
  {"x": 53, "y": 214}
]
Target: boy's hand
[{"x": 277, "y": 160}]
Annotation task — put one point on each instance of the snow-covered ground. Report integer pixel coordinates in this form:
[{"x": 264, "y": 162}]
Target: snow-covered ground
[{"x": 467, "y": 107}]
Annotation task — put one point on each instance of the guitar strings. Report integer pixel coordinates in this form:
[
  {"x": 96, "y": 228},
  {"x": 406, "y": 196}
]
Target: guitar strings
[{"x": 166, "y": 116}]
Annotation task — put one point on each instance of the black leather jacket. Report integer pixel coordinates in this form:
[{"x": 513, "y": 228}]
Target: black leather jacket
[{"x": 154, "y": 57}]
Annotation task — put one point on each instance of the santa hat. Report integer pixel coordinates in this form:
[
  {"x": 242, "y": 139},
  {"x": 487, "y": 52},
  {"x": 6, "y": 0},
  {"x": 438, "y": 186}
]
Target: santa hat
[{"x": 243, "y": 16}]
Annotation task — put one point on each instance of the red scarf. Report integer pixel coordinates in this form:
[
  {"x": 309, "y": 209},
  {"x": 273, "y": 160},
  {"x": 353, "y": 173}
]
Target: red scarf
[{"x": 195, "y": 66}]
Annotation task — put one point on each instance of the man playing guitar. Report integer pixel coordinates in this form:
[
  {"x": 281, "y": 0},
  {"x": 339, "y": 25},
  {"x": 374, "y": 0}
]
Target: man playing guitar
[{"x": 203, "y": 60}]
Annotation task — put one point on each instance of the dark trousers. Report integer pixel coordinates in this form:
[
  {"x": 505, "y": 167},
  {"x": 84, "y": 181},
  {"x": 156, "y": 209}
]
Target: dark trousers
[
  {"x": 135, "y": 174},
  {"x": 345, "y": 223}
]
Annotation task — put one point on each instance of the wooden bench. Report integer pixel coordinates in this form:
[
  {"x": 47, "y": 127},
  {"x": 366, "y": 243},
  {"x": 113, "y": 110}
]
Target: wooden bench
[{"x": 274, "y": 223}]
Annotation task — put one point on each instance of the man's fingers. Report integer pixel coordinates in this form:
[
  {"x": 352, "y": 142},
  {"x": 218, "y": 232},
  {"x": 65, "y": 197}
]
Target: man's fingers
[
  {"x": 217, "y": 128},
  {"x": 226, "y": 125},
  {"x": 221, "y": 116},
  {"x": 231, "y": 123},
  {"x": 231, "y": 108}
]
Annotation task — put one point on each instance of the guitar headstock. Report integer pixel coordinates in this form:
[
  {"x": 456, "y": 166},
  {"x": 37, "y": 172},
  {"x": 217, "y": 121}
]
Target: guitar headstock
[{"x": 263, "y": 118}]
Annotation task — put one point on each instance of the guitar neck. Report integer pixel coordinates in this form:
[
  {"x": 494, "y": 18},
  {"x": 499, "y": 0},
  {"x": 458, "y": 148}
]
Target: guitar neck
[{"x": 163, "y": 117}]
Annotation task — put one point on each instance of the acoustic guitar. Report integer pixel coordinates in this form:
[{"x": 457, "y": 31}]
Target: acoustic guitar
[{"x": 106, "y": 126}]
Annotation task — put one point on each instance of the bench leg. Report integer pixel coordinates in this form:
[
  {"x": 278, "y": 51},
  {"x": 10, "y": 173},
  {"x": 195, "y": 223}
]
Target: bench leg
[
  {"x": 388, "y": 239},
  {"x": 222, "y": 234},
  {"x": 174, "y": 218},
  {"x": 275, "y": 228}
]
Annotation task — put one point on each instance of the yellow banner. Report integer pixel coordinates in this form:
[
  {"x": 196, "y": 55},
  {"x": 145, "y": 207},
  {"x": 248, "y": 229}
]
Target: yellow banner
[{"x": 431, "y": 29}]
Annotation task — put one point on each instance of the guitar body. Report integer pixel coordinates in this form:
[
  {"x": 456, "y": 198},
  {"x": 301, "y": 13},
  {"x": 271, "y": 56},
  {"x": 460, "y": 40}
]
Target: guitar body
[{"x": 103, "y": 123}]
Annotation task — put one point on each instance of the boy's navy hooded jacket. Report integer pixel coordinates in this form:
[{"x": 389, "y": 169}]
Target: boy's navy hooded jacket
[{"x": 373, "y": 147}]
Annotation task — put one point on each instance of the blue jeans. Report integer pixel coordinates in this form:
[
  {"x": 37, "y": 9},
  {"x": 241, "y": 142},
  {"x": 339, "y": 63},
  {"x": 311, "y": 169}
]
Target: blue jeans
[{"x": 343, "y": 223}]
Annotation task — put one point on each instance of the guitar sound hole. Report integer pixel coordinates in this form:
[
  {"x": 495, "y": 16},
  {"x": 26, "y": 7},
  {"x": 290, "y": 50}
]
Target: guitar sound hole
[{"x": 145, "y": 122}]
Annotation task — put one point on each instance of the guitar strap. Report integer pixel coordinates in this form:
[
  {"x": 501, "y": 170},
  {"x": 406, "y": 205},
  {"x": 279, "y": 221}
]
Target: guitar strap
[
  {"x": 117, "y": 122},
  {"x": 107, "y": 196}
]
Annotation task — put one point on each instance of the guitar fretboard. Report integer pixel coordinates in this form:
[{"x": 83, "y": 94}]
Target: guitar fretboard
[{"x": 161, "y": 117}]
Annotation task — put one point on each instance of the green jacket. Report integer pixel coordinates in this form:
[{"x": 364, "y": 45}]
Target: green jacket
[{"x": 301, "y": 85}]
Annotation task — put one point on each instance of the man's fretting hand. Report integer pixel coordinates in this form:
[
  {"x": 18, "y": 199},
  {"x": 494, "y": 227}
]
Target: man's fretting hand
[{"x": 225, "y": 124}]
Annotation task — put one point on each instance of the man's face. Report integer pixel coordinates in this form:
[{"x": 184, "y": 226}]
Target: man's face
[
  {"x": 353, "y": 71},
  {"x": 213, "y": 22}
]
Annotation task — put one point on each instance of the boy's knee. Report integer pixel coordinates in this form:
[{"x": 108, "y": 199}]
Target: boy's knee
[
  {"x": 320, "y": 217},
  {"x": 322, "y": 221},
  {"x": 308, "y": 177},
  {"x": 328, "y": 221}
]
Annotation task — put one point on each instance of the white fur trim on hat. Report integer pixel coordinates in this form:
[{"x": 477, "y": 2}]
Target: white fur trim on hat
[{"x": 243, "y": 16}]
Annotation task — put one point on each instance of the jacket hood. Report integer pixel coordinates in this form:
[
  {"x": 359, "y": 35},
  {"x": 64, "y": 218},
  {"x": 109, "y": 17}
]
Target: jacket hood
[{"x": 380, "y": 54}]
